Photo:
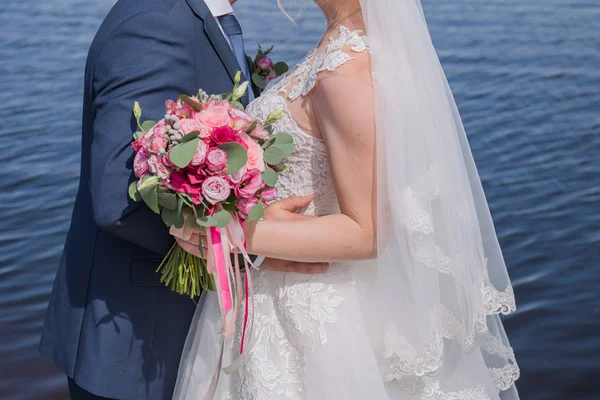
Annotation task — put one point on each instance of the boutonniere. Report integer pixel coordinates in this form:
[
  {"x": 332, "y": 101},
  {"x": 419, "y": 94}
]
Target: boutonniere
[{"x": 263, "y": 68}]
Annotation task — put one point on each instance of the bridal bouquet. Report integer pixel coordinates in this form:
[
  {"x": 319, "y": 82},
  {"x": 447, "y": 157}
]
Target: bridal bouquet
[{"x": 207, "y": 165}]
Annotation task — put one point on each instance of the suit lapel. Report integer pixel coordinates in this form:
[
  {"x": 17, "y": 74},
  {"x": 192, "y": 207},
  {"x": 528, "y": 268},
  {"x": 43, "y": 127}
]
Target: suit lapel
[{"x": 216, "y": 37}]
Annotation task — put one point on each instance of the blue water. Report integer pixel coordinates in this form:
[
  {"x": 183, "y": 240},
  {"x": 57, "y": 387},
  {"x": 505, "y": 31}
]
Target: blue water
[{"x": 526, "y": 76}]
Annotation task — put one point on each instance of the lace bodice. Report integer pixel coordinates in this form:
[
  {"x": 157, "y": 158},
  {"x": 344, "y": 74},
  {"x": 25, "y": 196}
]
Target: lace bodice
[{"x": 308, "y": 172}]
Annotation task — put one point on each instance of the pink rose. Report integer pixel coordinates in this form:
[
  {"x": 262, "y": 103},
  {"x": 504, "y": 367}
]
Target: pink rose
[
  {"x": 226, "y": 134},
  {"x": 255, "y": 153},
  {"x": 246, "y": 205},
  {"x": 140, "y": 164},
  {"x": 216, "y": 159},
  {"x": 200, "y": 154},
  {"x": 260, "y": 133},
  {"x": 216, "y": 189},
  {"x": 157, "y": 167},
  {"x": 214, "y": 117},
  {"x": 249, "y": 185},
  {"x": 269, "y": 194},
  {"x": 264, "y": 63},
  {"x": 189, "y": 125},
  {"x": 181, "y": 184},
  {"x": 237, "y": 176}
]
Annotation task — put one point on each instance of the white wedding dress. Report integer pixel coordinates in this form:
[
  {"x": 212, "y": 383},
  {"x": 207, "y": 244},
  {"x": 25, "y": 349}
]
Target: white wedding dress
[{"x": 310, "y": 336}]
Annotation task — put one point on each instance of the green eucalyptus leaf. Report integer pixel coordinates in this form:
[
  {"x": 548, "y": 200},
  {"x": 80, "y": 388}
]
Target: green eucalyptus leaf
[
  {"x": 137, "y": 135},
  {"x": 168, "y": 200},
  {"x": 257, "y": 212},
  {"x": 170, "y": 218},
  {"x": 229, "y": 207},
  {"x": 283, "y": 138},
  {"x": 147, "y": 182},
  {"x": 236, "y": 156},
  {"x": 190, "y": 136},
  {"x": 134, "y": 192},
  {"x": 147, "y": 125},
  {"x": 221, "y": 218},
  {"x": 186, "y": 200},
  {"x": 180, "y": 202},
  {"x": 258, "y": 81},
  {"x": 182, "y": 154},
  {"x": 286, "y": 148},
  {"x": 188, "y": 100},
  {"x": 282, "y": 167},
  {"x": 148, "y": 189},
  {"x": 273, "y": 155},
  {"x": 206, "y": 221},
  {"x": 269, "y": 177},
  {"x": 285, "y": 142},
  {"x": 281, "y": 68}
]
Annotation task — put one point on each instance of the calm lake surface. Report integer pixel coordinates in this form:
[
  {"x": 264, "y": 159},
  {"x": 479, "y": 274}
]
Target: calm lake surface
[{"x": 526, "y": 76}]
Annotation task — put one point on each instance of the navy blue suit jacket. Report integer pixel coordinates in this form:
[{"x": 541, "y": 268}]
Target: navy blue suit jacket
[{"x": 110, "y": 325}]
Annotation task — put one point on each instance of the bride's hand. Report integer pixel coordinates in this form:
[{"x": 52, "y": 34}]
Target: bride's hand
[{"x": 282, "y": 210}]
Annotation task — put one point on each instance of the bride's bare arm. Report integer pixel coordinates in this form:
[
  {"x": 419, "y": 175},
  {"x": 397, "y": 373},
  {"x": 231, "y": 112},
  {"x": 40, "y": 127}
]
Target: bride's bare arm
[{"x": 343, "y": 106}]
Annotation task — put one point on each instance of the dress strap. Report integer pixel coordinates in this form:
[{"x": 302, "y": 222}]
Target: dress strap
[{"x": 331, "y": 58}]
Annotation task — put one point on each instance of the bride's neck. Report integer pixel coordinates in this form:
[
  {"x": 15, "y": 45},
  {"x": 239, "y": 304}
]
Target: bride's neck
[{"x": 337, "y": 10}]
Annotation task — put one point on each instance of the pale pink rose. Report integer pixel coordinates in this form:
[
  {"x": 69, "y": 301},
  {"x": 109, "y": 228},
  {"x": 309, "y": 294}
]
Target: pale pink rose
[
  {"x": 216, "y": 159},
  {"x": 200, "y": 154},
  {"x": 269, "y": 194},
  {"x": 255, "y": 153},
  {"x": 189, "y": 125},
  {"x": 237, "y": 176},
  {"x": 157, "y": 167},
  {"x": 251, "y": 183},
  {"x": 246, "y": 205},
  {"x": 264, "y": 63},
  {"x": 260, "y": 133},
  {"x": 140, "y": 164},
  {"x": 214, "y": 117},
  {"x": 215, "y": 189}
]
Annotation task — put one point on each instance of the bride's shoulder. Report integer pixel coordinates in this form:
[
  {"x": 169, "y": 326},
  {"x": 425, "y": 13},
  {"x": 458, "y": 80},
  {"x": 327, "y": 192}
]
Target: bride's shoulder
[{"x": 347, "y": 57}]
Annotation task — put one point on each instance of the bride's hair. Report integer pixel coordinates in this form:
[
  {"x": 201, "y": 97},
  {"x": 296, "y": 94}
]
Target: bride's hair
[{"x": 282, "y": 8}]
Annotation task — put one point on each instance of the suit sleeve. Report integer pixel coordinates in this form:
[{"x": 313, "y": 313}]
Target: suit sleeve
[{"x": 146, "y": 59}]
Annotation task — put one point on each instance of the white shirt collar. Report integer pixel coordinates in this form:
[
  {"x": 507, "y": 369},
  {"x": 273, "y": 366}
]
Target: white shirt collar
[{"x": 219, "y": 7}]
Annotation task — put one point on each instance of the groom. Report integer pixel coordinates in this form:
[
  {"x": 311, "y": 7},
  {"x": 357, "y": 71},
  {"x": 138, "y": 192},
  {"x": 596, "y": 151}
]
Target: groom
[{"x": 111, "y": 326}]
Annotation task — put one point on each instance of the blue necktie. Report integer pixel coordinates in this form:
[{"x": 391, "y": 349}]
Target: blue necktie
[{"x": 233, "y": 30}]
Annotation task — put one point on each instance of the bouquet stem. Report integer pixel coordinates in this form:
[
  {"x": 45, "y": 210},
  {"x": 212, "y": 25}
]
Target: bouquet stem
[{"x": 185, "y": 273}]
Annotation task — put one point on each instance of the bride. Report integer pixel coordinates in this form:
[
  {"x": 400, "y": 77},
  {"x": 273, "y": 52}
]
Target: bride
[{"x": 410, "y": 306}]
